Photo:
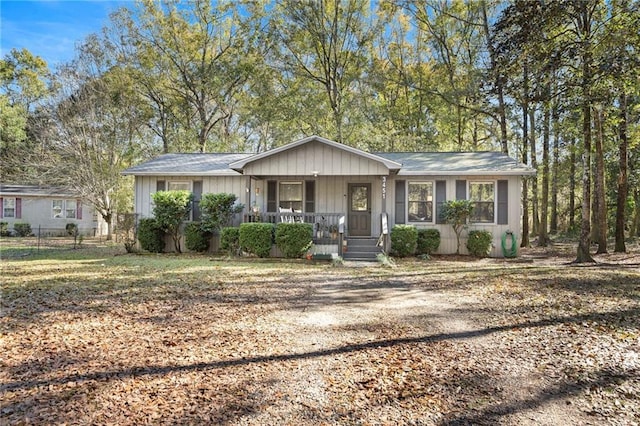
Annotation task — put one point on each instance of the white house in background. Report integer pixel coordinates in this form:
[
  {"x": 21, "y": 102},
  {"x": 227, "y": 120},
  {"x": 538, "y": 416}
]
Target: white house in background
[
  {"x": 49, "y": 209},
  {"x": 339, "y": 188}
]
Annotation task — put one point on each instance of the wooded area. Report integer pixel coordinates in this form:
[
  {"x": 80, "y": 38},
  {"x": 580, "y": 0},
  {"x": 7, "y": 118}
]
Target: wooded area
[{"x": 555, "y": 85}]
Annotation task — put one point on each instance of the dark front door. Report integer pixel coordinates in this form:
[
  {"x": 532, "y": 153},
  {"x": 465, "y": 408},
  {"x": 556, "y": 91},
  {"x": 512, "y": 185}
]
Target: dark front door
[{"x": 359, "y": 209}]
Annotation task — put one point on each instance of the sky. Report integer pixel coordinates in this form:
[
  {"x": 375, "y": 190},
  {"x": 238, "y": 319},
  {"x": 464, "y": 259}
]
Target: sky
[{"x": 52, "y": 28}]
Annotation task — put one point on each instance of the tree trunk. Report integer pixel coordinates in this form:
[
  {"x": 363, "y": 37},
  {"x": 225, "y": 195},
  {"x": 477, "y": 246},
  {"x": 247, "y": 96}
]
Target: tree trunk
[
  {"x": 635, "y": 229},
  {"x": 621, "y": 201},
  {"x": 572, "y": 186},
  {"x": 555, "y": 168},
  {"x": 600, "y": 212},
  {"x": 543, "y": 236},
  {"x": 534, "y": 179},
  {"x": 525, "y": 136}
]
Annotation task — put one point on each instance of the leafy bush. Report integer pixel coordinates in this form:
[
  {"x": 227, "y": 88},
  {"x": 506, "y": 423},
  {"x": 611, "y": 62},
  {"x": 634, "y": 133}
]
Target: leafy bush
[
  {"x": 404, "y": 239},
  {"x": 230, "y": 240},
  {"x": 72, "y": 229},
  {"x": 196, "y": 239},
  {"x": 150, "y": 235},
  {"x": 456, "y": 213},
  {"x": 256, "y": 238},
  {"x": 4, "y": 229},
  {"x": 22, "y": 229},
  {"x": 428, "y": 241},
  {"x": 217, "y": 211},
  {"x": 171, "y": 209},
  {"x": 479, "y": 243},
  {"x": 294, "y": 239}
]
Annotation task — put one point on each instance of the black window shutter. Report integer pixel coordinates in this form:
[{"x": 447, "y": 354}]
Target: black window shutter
[
  {"x": 197, "y": 196},
  {"x": 401, "y": 195},
  {"x": 309, "y": 196},
  {"x": 160, "y": 185},
  {"x": 272, "y": 196},
  {"x": 503, "y": 202},
  {"x": 461, "y": 190},
  {"x": 441, "y": 197}
]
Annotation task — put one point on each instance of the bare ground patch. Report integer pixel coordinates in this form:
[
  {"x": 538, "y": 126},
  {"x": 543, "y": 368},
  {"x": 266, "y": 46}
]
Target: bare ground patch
[{"x": 166, "y": 340}]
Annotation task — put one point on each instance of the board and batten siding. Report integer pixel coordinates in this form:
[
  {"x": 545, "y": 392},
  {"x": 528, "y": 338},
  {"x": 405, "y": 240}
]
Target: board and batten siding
[
  {"x": 447, "y": 236},
  {"x": 315, "y": 157}
]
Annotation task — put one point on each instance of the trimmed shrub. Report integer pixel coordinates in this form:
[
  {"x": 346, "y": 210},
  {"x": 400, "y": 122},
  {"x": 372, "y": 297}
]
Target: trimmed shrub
[
  {"x": 150, "y": 235},
  {"x": 4, "y": 229},
  {"x": 428, "y": 241},
  {"x": 294, "y": 239},
  {"x": 22, "y": 229},
  {"x": 230, "y": 240},
  {"x": 256, "y": 238},
  {"x": 217, "y": 211},
  {"x": 72, "y": 229},
  {"x": 171, "y": 209},
  {"x": 404, "y": 239},
  {"x": 195, "y": 238},
  {"x": 479, "y": 243}
]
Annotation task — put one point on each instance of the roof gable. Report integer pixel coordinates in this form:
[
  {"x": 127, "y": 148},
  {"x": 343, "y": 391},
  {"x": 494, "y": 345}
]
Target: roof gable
[{"x": 319, "y": 158}]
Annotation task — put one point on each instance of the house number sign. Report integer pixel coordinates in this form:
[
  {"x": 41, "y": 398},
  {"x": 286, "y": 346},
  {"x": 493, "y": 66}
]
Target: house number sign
[{"x": 384, "y": 187}]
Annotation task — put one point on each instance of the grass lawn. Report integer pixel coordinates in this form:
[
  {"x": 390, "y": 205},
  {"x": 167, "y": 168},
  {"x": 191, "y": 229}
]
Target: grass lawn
[{"x": 96, "y": 336}]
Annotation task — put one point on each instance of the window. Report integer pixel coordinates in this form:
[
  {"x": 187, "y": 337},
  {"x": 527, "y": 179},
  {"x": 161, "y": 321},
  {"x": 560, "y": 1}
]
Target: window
[
  {"x": 9, "y": 207},
  {"x": 420, "y": 202},
  {"x": 179, "y": 186},
  {"x": 70, "y": 209},
  {"x": 291, "y": 195},
  {"x": 482, "y": 196},
  {"x": 58, "y": 207},
  {"x": 65, "y": 209}
]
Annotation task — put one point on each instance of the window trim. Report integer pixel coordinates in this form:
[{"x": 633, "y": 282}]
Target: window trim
[
  {"x": 4, "y": 207},
  {"x": 64, "y": 209},
  {"x": 433, "y": 201},
  {"x": 493, "y": 182}
]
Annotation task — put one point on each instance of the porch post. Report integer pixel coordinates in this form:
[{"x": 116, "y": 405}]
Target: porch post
[{"x": 247, "y": 204}]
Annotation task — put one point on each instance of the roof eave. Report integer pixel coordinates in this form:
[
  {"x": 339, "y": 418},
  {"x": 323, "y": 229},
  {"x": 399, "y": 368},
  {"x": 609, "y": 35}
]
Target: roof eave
[{"x": 467, "y": 173}]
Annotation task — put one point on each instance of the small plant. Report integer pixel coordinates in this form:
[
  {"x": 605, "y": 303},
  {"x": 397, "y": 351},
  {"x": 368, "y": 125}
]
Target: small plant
[
  {"x": 337, "y": 262},
  {"x": 256, "y": 238},
  {"x": 72, "y": 229},
  {"x": 479, "y": 243},
  {"x": 230, "y": 240},
  {"x": 428, "y": 241},
  {"x": 217, "y": 211},
  {"x": 22, "y": 229},
  {"x": 4, "y": 229},
  {"x": 196, "y": 239},
  {"x": 404, "y": 239},
  {"x": 385, "y": 261},
  {"x": 456, "y": 213},
  {"x": 127, "y": 233},
  {"x": 150, "y": 235},
  {"x": 294, "y": 239}
]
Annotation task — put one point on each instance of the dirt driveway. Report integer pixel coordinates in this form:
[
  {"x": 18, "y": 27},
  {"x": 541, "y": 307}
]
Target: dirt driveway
[{"x": 166, "y": 340}]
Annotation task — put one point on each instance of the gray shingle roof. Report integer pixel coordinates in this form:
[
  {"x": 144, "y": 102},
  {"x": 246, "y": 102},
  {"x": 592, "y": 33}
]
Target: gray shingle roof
[
  {"x": 207, "y": 164},
  {"x": 457, "y": 163},
  {"x": 413, "y": 163},
  {"x": 35, "y": 190}
]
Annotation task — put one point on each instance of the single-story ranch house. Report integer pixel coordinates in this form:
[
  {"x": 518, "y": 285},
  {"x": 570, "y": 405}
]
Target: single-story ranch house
[
  {"x": 48, "y": 209},
  {"x": 351, "y": 197}
]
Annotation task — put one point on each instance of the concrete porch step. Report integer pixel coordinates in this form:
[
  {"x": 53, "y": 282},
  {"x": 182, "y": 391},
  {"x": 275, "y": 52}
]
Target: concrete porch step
[{"x": 362, "y": 249}]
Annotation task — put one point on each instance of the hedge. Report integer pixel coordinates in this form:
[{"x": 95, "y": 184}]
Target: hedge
[
  {"x": 150, "y": 235},
  {"x": 294, "y": 239},
  {"x": 404, "y": 239},
  {"x": 256, "y": 238},
  {"x": 479, "y": 243},
  {"x": 195, "y": 238},
  {"x": 428, "y": 241},
  {"x": 230, "y": 240},
  {"x": 22, "y": 229}
]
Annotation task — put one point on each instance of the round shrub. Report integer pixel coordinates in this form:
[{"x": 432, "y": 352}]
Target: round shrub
[
  {"x": 256, "y": 238},
  {"x": 150, "y": 235},
  {"x": 22, "y": 229},
  {"x": 195, "y": 238},
  {"x": 479, "y": 243},
  {"x": 428, "y": 241},
  {"x": 294, "y": 239},
  {"x": 404, "y": 239},
  {"x": 72, "y": 229},
  {"x": 4, "y": 229},
  {"x": 230, "y": 240}
]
